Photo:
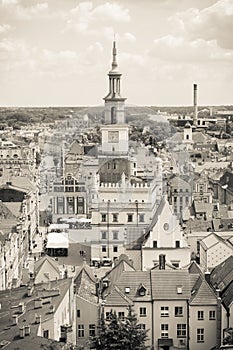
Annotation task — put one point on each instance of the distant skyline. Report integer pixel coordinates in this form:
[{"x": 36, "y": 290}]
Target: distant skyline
[{"x": 58, "y": 52}]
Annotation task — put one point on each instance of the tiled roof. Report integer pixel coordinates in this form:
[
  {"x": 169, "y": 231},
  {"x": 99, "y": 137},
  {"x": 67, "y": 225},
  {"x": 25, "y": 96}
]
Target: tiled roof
[
  {"x": 14, "y": 207},
  {"x": 85, "y": 283},
  {"x": 114, "y": 274},
  {"x": 222, "y": 275},
  {"x": 227, "y": 296},
  {"x": 172, "y": 279},
  {"x": 39, "y": 264},
  {"x": 178, "y": 182},
  {"x": 133, "y": 280},
  {"x": 11, "y": 298},
  {"x": 117, "y": 298},
  {"x": 202, "y": 294}
]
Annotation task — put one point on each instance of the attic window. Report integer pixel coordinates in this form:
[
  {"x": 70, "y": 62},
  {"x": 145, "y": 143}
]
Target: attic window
[
  {"x": 127, "y": 289},
  {"x": 179, "y": 289},
  {"x": 142, "y": 291}
]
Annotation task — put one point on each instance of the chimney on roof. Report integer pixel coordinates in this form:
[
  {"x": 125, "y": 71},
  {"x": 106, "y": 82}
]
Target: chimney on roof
[
  {"x": 21, "y": 332},
  {"x": 162, "y": 261},
  {"x": 27, "y": 330},
  {"x": 15, "y": 319},
  {"x": 38, "y": 319}
]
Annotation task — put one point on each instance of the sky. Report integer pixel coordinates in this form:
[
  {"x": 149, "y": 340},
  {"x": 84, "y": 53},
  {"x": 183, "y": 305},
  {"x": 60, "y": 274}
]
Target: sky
[{"x": 58, "y": 52}]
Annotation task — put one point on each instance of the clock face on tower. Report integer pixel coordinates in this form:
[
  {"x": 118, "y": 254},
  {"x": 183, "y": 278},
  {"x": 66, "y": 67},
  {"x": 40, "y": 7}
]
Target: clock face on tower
[{"x": 113, "y": 136}]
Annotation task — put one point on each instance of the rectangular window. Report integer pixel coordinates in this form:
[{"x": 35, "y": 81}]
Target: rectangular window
[
  {"x": 115, "y": 248},
  {"x": 104, "y": 248},
  {"x": 130, "y": 217},
  {"x": 200, "y": 315},
  {"x": 91, "y": 330},
  {"x": 142, "y": 326},
  {"x": 155, "y": 244},
  {"x": 103, "y": 217},
  {"x": 200, "y": 335},
  {"x": 103, "y": 235},
  {"x": 178, "y": 311},
  {"x": 181, "y": 330},
  {"x": 164, "y": 330},
  {"x": 46, "y": 334},
  {"x": 121, "y": 315},
  {"x": 115, "y": 217},
  {"x": 142, "y": 311},
  {"x": 115, "y": 234},
  {"x": 164, "y": 311},
  {"x": 78, "y": 313},
  {"x": 81, "y": 331},
  {"x": 212, "y": 315},
  {"x": 177, "y": 244},
  {"x": 141, "y": 217}
]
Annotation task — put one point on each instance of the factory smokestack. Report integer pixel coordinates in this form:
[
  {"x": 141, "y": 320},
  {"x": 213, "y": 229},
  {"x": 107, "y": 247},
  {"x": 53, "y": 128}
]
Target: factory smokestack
[{"x": 195, "y": 104}]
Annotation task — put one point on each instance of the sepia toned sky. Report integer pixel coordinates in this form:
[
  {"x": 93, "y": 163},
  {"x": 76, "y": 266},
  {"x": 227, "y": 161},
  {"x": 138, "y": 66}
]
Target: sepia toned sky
[{"x": 58, "y": 52}]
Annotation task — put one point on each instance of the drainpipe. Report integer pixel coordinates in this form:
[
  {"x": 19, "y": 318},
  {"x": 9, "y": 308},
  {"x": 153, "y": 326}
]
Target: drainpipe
[
  {"x": 152, "y": 315},
  {"x": 188, "y": 326},
  {"x": 219, "y": 320}
]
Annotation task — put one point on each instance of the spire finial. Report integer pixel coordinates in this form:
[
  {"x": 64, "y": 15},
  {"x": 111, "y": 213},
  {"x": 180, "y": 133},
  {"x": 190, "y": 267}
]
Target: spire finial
[{"x": 114, "y": 54}]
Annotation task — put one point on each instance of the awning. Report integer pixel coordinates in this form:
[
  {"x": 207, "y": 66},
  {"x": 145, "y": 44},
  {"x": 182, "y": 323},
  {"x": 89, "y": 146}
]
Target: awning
[
  {"x": 57, "y": 240},
  {"x": 165, "y": 342}
]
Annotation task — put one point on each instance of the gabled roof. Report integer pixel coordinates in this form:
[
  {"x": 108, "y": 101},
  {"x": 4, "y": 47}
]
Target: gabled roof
[
  {"x": 133, "y": 280},
  {"x": 46, "y": 259},
  {"x": 213, "y": 239},
  {"x": 227, "y": 296},
  {"x": 172, "y": 279},
  {"x": 85, "y": 283},
  {"x": 87, "y": 270},
  {"x": 5, "y": 212},
  {"x": 202, "y": 294},
  {"x": 114, "y": 274},
  {"x": 117, "y": 298},
  {"x": 179, "y": 182},
  {"x": 194, "y": 268},
  {"x": 222, "y": 275}
]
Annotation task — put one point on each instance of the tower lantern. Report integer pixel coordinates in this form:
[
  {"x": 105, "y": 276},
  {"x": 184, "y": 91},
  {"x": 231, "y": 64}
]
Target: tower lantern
[{"x": 114, "y": 103}]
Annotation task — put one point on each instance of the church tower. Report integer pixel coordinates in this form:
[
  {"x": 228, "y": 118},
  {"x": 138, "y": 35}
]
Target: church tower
[{"x": 115, "y": 133}]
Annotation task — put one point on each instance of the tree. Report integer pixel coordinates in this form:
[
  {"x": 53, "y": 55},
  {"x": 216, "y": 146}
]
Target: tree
[{"x": 120, "y": 334}]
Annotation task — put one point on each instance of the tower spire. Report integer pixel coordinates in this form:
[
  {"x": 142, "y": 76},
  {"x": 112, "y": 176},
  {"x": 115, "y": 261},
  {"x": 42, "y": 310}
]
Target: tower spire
[{"x": 114, "y": 54}]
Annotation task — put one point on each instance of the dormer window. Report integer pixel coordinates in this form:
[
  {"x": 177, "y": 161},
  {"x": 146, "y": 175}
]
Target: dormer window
[
  {"x": 105, "y": 283},
  {"x": 127, "y": 290},
  {"x": 142, "y": 291},
  {"x": 179, "y": 289}
]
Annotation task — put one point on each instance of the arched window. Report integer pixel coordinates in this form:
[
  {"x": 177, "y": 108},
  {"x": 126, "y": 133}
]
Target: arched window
[
  {"x": 187, "y": 137},
  {"x": 113, "y": 115}
]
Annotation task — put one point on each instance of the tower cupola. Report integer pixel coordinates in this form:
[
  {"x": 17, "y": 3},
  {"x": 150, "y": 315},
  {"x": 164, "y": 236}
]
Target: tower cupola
[{"x": 114, "y": 102}]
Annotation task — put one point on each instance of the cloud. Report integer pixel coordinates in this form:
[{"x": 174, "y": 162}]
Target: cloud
[
  {"x": 4, "y": 28},
  {"x": 171, "y": 48},
  {"x": 211, "y": 23},
  {"x": 82, "y": 17},
  {"x": 111, "y": 11},
  {"x": 9, "y": 2},
  {"x": 15, "y": 10},
  {"x": 129, "y": 37},
  {"x": 132, "y": 59}
]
